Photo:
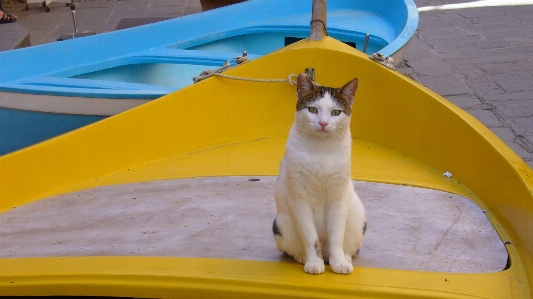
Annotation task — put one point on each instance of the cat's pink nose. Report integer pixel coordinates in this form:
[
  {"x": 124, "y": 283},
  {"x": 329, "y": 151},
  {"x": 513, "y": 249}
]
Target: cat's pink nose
[{"x": 323, "y": 124}]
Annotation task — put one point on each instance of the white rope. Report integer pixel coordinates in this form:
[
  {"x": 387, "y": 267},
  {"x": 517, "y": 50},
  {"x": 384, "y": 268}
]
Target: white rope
[
  {"x": 240, "y": 60},
  {"x": 289, "y": 80}
]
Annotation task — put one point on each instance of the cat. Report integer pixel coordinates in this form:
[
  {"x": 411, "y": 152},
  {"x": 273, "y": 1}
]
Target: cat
[{"x": 319, "y": 215}]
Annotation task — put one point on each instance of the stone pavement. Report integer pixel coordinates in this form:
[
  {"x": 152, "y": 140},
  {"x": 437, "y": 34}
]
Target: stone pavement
[
  {"x": 481, "y": 59},
  {"x": 97, "y": 16}
]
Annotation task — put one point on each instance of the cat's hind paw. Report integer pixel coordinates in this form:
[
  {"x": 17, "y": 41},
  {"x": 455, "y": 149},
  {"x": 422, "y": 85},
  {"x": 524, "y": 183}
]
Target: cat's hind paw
[
  {"x": 342, "y": 267},
  {"x": 315, "y": 267}
]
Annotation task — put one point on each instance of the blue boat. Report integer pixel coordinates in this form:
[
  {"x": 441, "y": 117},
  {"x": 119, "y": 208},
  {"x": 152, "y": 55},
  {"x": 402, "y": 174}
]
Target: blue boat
[{"x": 75, "y": 82}]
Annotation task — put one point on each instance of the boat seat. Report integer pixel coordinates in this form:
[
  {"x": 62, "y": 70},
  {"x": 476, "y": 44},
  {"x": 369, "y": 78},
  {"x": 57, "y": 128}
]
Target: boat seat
[{"x": 231, "y": 217}]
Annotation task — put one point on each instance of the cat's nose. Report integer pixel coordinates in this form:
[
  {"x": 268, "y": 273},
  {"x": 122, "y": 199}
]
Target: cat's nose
[{"x": 323, "y": 124}]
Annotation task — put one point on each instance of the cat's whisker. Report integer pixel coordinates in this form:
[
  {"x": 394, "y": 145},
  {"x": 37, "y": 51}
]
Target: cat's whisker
[{"x": 335, "y": 135}]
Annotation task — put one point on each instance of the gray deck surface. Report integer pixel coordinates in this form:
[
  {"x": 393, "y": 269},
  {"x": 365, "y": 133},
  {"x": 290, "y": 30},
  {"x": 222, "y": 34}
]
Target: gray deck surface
[{"x": 231, "y": 217}]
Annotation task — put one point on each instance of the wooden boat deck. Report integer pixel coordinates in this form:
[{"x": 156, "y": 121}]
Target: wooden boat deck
[{"x": 231, "y": 217}]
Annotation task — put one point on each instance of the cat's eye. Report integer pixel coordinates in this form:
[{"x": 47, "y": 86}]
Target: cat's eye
[
  {"x": 312, "y": 110},
  {"x": 336, "y": 112}
]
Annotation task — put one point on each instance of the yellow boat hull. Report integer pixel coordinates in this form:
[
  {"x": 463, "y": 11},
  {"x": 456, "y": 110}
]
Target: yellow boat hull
[{"x": 403, "y": 134}]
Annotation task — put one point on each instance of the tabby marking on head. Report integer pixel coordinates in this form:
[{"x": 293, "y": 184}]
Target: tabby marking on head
[{"x": 309, "y": 92}]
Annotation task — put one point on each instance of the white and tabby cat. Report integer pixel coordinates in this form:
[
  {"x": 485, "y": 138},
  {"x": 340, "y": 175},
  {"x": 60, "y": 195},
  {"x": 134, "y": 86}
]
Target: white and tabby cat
[{"x": 319, "y": 215}]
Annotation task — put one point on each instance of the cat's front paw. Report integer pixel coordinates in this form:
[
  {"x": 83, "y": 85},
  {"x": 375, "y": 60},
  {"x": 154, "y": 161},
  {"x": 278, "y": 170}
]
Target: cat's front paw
[
  {"x": 315, "y": 267},
  {"x": 341, "y": 267}
]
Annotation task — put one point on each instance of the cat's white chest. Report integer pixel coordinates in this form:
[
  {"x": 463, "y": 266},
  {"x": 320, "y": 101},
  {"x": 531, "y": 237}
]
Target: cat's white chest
[
  {"x": 318, "y": 168},
  {"x": 322, "y": 158}
]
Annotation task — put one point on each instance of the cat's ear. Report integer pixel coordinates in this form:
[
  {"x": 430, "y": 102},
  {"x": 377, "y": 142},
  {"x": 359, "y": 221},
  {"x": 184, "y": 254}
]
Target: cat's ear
[
  {"x": 304, "y": 84},
  {"x": 348, "y": 90}
]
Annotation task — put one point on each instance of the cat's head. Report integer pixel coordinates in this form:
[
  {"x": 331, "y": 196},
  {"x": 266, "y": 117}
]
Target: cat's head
[{"x": 323, "y": 111}]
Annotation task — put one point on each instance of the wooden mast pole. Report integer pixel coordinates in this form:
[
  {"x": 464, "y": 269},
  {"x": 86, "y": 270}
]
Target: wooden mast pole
[{"x": 318, "y": 20}]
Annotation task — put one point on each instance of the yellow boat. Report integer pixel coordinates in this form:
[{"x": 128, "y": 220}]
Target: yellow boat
[{"x": 69, "y": 202}]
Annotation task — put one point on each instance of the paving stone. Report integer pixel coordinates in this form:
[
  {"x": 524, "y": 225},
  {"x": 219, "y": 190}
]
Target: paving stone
[
  {"x": 496, "y": 27},
  {"x": 14, "y": 36},
  {"x": 519, "y": 41},
  {"x": 165, "y": 3},
  {"x": 451, "y": 15},
  {"x": 467, "y": 101},
  {"x": 527, "y": 49},
  {"x": 442, "y": 31},
  {"x": 38, "y": 37},
  {"x": 505, "y": 134},
  {"x": 465, "y": 55},
  {"x": 519, "y": 149},
  {"x": 482, "y": 12},
  {"x": 529, "y": 139},
  {"x": 526, "y": 34},
  {"x": 476, "y": 45},
  {"x": 91, "y": 19},
  {"x": 431, "y": 67},
  {"x": 503, "y": 18},
  {"x": 516, "y": 109},
  {"x": 444, "y": 41},
  {"x": 465, "y": 66},
  {"x": 525, "y": 124},
  {"x": 496, "y": 68},
  {"x": 417, "y": 43},
  {"x": 487, "y": 117},
  {"x": 45, "y": 21},
  {"x": 404, "y": 69},
  {"x": 510, "y": 96},
  {"x": 95, "y": 4},
  {"x": 133, "y": 22},
  {"x": 516, "y": 85},
  {"x": 488, "y": 88},
  {"x": 520, "y": 75},
  {"x": 490, "y": 57},
  {"x": 422, "y": 3},
  {"x": 522, "y": 13},
  {"x": 419, "y": 49},
  {"x": 171, "y": 10},
  {"x": 445, "y": 85}
]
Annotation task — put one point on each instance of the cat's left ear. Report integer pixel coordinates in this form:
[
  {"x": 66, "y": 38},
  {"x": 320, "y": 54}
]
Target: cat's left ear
[
  {"x": 304, "y": 85},
  {"x": 348, "y": 90}
]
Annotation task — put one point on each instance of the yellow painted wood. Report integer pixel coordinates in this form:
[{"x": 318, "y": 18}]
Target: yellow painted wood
[
  {"x": 151, "y": 277},
  {"x": 404, "y": 134},
  {"x": 370, "y": 162}
]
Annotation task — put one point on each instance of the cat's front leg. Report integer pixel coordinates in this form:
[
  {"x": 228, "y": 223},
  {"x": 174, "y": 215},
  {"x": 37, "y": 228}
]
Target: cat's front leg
[
  {"x": 303, "y": 216},
  {"x": 336, "y": 225}
]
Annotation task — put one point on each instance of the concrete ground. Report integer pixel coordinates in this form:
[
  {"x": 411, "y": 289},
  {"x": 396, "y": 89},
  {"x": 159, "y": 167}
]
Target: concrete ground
[{"x": 481, "y": 59}]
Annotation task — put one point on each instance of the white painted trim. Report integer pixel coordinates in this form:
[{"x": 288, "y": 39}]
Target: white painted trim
[
  {"x": 67, "y": 105},
  {"x": 481, "y": 3}
]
